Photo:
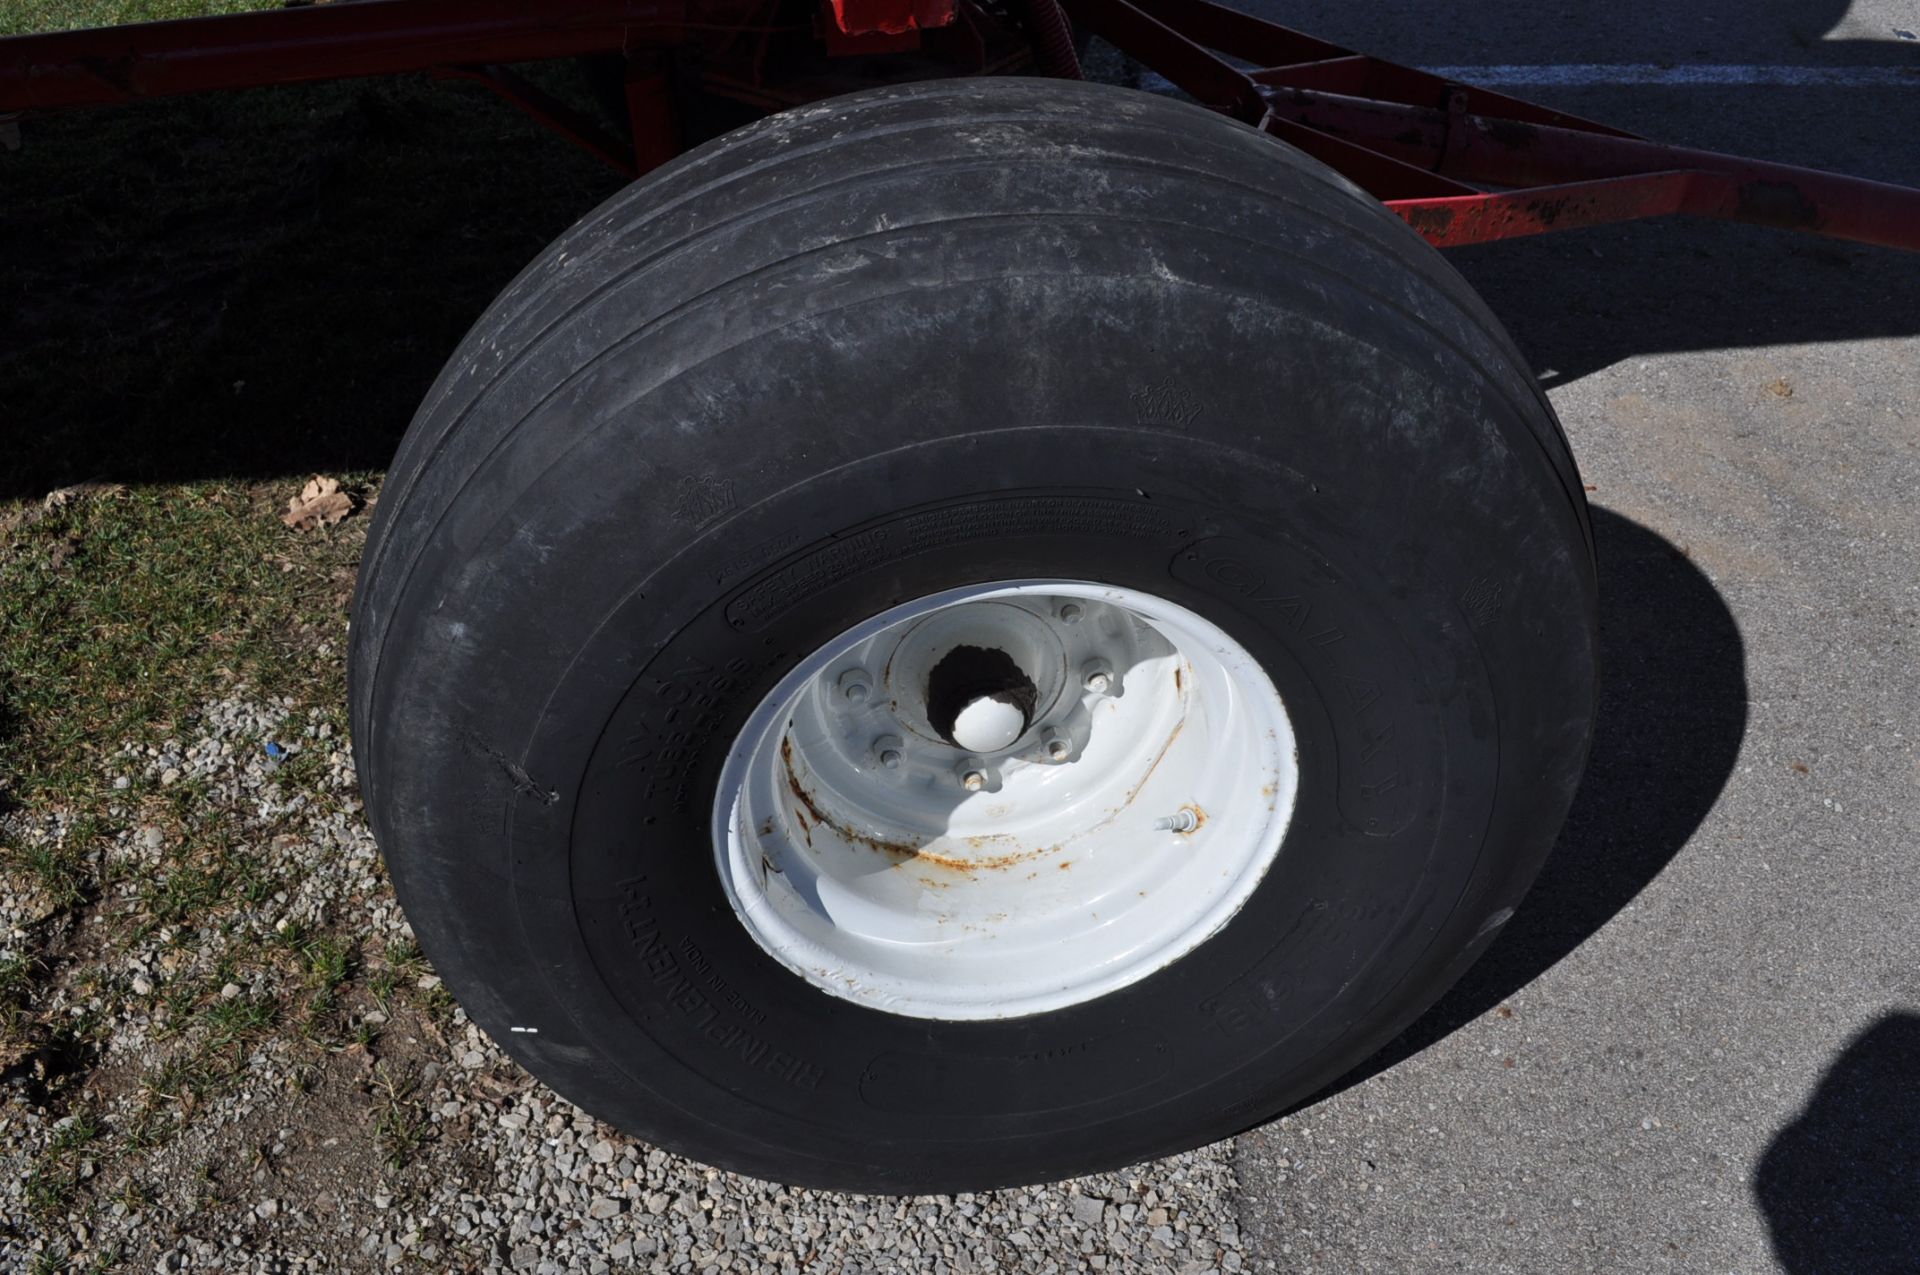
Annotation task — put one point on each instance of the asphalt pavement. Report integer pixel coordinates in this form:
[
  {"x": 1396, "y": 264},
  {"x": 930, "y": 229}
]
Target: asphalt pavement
[{"x": 1697, "y": 1046}]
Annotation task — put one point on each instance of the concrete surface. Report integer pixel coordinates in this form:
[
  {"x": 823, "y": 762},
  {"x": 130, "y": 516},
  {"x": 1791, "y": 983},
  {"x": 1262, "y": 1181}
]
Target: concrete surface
[{"x": 1697, "y": 1047}]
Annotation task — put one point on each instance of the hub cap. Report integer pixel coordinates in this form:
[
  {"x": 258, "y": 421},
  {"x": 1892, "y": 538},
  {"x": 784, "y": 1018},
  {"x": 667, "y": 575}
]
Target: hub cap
[{"x": 1005, "y": 799}]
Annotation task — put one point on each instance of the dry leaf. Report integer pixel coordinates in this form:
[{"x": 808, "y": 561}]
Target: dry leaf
[
  {"x": 320, "y": 503},
  {"x": 61, "y": 497}
]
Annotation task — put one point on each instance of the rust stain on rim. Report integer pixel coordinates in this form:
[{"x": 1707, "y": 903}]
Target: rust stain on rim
[
  {"x": 805, "y": 798},
  {"x": 904, "y": 852},
  {"x": 1158, "y": 758},
  {"x": 900, "y": 851}
]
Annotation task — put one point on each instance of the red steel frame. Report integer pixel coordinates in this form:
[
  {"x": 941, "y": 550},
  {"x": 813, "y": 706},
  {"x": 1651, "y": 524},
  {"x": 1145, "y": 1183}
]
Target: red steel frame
[{"x": 1461, "y": 164}]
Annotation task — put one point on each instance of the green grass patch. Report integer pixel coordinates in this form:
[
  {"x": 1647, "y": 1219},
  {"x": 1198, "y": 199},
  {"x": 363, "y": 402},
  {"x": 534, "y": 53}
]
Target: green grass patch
[
  {"x": 400, "y": 1120},
  {"x": 55, "y": 1177},
  {"x": 121, "y": 615},
  {"x": 204, "y": 303},
  {"x": 238, "y": 1020},
  {"x": 24, "y": 17}
]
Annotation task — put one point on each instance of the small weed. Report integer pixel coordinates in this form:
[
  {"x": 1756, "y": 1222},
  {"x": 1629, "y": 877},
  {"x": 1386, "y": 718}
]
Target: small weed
[
  {"x": 56, "y": 869},
  {"x": 134, "y": 1197},
  {"x": 176, "y": 1010},
  {"x": 364, "y": 1035},
  {"x": 205, "y": 1191},
  {"x": 237, "y": 1021},
  {"x": 55, "y": 1177},
  {"x": 107, "y": 1259},
  {"x": 16, "y": 993},
  {"x": 329, "y": 960},
  {"x": 439, "y": 1005},
  {"x": 186, "y": 893},
  {"x": 405, "y": 955},
  {"x": 150, "y": 1127},
  {"x": 50, "y": 1187},
  {"x": 83, "y": 1128},
  {"x": 326, "y": 962},
  {"x": 400, "y": 1122},
  {"x": 302, "y": 1078},
  {"x": 55, "y": 1262},
  {"x": 382, "y": 987},
  {"x": 182, "y": 1081},
  {"x": 320, "y": 1003}
]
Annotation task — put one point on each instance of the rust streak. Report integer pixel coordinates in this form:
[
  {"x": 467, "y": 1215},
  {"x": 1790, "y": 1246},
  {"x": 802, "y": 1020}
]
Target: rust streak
[
  {"x": 899, "y": 850},
  {"x": 991, "y": 863},
  {"x": 821, "y": 817},
  {"x": 1162, "y": 756}
]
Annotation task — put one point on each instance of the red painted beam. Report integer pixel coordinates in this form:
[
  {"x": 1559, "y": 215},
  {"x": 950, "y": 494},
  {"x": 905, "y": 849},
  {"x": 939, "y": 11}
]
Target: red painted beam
[
  {"x": 1564, "y": 170},
  {"x": 1457, "y": 220}
]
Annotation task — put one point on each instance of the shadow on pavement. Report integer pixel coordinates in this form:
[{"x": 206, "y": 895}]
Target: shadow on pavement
[
  {"x": 1581, "y": 301},
  {"x": 1672, "y": 711},
  {"x": 1795, "y": 32},
  {"x": 1840, "y": 1186}
]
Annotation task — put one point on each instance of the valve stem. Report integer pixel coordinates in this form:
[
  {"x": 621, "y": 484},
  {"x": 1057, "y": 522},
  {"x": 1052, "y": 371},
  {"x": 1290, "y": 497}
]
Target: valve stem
[{"x": 1185, "y": 821}]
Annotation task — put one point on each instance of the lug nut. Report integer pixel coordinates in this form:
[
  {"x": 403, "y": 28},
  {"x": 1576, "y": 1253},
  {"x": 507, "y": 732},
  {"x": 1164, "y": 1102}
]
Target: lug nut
[
  {"x": 1070, "y": 613},
  {"x": 855, "y": 685},
  {"x": 886, "y": 750},
  {"x": 1059, "y": 747},
  {"x": 891, "y": 759},
  {"x": 973, "y": 780},
  {"x": 1097, "y": 677}
]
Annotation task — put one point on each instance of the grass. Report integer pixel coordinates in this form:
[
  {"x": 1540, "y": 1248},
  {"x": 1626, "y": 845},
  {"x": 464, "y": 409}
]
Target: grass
[
  {"x": 401, "y": 1123},
  {"x": 237, "y": 1020},
  {"x": 56, "y": 1176},
  {"x": 203, "y": 303},
  {"x": 122, "y": 613},
  {"x": 23, "y": 17}
]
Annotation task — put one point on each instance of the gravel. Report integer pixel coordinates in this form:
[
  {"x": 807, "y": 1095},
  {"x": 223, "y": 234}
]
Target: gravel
[{"x": 289, "y": 1167}]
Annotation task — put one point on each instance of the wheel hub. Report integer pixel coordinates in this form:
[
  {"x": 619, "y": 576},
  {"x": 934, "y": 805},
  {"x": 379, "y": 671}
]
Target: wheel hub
[
  {"x": 1005, "y": 799},
  {"x": 979, "y": 699}
]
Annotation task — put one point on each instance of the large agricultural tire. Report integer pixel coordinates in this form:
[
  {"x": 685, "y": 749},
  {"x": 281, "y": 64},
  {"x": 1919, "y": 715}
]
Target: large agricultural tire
[{"x": 1111, "y": 411}]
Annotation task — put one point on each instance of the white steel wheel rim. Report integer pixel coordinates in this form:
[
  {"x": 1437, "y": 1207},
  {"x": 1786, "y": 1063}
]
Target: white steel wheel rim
[{"x": 1120, "y": 815}]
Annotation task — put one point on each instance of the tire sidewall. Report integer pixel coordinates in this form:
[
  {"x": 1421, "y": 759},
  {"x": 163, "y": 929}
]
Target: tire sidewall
[{"x": 1341, "y": 488}]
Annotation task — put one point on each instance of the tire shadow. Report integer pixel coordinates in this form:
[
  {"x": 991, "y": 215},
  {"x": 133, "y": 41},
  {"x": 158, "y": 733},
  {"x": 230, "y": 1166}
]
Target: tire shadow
[
  {"x": 1671, "y": 715},
  {"x": 1840, "y": 1186},
  {"x": 260, "y": 285}
]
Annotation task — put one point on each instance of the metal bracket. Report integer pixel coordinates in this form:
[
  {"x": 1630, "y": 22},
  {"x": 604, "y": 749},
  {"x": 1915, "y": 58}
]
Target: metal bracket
[{"x": 1463, "y": 164}]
